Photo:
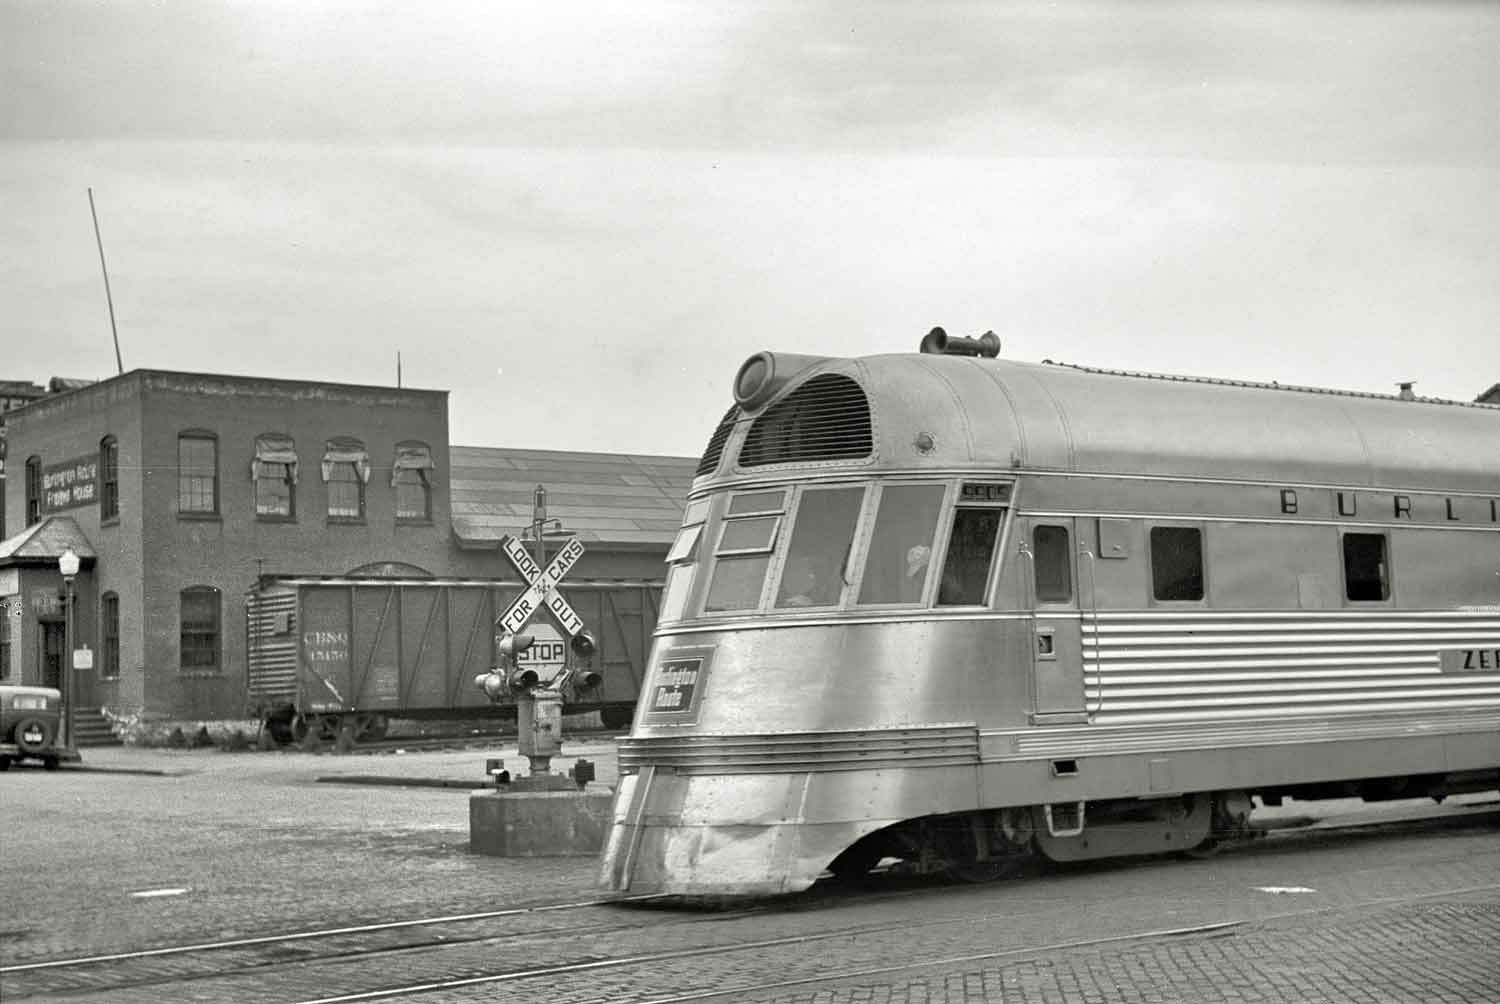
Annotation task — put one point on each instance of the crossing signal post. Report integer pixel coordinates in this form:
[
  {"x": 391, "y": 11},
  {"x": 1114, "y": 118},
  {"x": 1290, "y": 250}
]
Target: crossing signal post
[
  {"x": 539, "y": 698},
  {"x": 542, "y": 814}
]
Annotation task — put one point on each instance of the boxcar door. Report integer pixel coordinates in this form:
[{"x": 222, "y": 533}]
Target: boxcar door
[{"x": 1057, "y": 648}]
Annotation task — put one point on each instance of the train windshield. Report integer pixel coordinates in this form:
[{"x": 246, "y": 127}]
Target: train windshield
[
  {"x": 836, "y": 546},
  {"x": 817, "y": 563}
]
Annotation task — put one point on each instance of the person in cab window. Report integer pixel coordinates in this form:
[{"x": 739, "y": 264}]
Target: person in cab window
[
  {"x": 803, "y": 587},
  {"x": 917, "y": 559}
]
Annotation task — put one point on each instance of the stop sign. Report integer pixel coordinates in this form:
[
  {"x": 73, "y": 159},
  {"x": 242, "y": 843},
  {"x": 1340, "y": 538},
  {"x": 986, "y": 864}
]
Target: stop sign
[{"x": 547, "y": 652}]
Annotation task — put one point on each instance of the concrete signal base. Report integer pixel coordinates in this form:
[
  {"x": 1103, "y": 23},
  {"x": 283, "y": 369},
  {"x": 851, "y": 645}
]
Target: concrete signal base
[{"x": 537, "y": 817}]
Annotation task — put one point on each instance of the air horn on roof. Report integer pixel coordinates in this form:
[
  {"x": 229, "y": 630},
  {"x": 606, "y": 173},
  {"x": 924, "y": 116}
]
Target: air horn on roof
[{"x": 939, "y": 343}]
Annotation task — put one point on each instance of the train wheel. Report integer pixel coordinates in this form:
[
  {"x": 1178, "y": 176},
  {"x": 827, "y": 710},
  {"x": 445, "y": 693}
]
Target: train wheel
[
  {"x": 1208, "y": 848},
  {"x": 985, "y": 847},
  {"x": 370, "y": 728},
  {"x": 278, "y": 730},
  {"x": 51, "y": 763},
  {"x": 855, "y": 862},
  {"x": 4, "y": 763},
  {"x": 307, "y": 732}
]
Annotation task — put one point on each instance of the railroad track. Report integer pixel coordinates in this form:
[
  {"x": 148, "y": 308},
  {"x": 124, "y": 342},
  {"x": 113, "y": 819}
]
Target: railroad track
[
  {"x": 525, "y": 953},
  {"x": 432, "y": 744}
]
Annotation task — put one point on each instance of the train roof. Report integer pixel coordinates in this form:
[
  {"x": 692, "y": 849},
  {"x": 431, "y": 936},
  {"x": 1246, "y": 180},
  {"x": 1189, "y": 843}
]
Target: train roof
[{"x": 937, "y": 411}]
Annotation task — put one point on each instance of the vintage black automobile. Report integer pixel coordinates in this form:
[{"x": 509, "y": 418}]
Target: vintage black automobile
[{"x": 30, "y": 726}]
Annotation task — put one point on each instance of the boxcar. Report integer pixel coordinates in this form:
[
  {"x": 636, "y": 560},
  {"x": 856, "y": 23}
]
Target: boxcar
[
  {"x": 958, "y": 610},
  {"x": 331, "y": 656}
]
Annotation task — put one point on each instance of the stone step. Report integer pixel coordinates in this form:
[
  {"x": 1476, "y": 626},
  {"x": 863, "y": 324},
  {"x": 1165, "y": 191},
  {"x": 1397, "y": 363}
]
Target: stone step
[{"x": 91, "y": 728}]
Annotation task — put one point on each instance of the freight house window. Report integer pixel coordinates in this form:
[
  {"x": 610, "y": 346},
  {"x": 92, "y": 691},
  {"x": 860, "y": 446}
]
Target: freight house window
[
  {"x": 275, "y": 472},
  {"x": 411, "y": 478},
  {"x": 33, "y": 490},
  {"x": 198, "y": 473},
  {"x": 109, "y": 629},
  {"x": 109, "y": 478},
  {"x": 199, "y": 643},
  {"x": 346, "y": 469}
]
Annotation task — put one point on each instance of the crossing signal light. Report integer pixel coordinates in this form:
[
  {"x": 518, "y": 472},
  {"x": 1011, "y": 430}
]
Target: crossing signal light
[
  {"x": 492, "y": 683},
  {"x": 583, "y": 645},
  {"x": 513, "y": 645},
  {"x": 524, "y": 679},
  {"x": 586, "y": 679}
]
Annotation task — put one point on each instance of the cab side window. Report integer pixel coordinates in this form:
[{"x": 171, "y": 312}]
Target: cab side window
[
  {"x": 747, "y": 536},
  {"x": 971, "y": 553},
  {"x": 682, "y": 561}
]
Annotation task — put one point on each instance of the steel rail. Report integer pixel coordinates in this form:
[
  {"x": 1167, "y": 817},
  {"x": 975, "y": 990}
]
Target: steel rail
[
  {"x": 327, "y": 932},
  {"x": 650, "y": 958}
]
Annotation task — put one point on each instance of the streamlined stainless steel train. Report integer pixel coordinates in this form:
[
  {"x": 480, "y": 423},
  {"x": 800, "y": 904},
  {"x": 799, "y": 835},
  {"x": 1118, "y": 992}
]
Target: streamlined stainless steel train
[{"x": 958, "y": 610}]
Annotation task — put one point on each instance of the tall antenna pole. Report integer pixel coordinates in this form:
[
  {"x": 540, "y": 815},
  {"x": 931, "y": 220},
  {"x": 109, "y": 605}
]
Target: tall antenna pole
[
  {"x": 398, "y": 369},
  {"x": 114, "y": 332}
]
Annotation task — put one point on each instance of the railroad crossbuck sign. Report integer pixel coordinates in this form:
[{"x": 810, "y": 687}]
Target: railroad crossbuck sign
[{"x": 541, "y": 590}]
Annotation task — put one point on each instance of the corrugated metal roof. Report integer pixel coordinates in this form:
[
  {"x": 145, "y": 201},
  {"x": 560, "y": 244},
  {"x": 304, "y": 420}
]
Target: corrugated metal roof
[{"x": 608, "y": 498}]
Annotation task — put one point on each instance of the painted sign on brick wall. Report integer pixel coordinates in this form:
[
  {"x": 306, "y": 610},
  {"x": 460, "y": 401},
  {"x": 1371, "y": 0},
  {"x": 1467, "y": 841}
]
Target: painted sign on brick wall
[{"x": 71, "y": 484}]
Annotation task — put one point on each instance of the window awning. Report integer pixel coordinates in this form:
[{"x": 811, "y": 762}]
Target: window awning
[
  {"x": 411, "y": 456},
  {"x": 274, "y": 448},
  {"x": 345, "y": 450}
]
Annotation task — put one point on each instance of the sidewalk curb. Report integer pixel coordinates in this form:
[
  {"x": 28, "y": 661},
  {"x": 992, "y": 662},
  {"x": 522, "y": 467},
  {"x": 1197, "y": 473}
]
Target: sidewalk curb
[{"x": 403, "y": 782}]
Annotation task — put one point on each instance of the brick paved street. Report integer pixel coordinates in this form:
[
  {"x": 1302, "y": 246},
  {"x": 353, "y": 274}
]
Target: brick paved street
[
  {"x": 255, "y": 843},
  {"x": 1428, "y": 953}
]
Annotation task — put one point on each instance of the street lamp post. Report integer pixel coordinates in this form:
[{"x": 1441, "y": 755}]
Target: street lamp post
[{"x": 67, "y": 564}]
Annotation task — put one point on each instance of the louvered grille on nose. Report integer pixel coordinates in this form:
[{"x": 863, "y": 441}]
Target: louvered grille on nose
[
  {"x": 715, "y": 451},
  {"x": 827, "y": 418}
]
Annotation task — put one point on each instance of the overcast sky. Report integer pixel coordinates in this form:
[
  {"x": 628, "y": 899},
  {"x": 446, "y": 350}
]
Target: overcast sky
[{"x": 580, "y": 218}]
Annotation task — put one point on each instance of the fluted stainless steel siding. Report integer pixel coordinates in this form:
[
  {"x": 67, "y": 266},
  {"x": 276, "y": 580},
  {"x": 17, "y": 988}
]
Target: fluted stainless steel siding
[
  {"x": 796, "y": 752},
  {"x": 1175, "y": 666}
]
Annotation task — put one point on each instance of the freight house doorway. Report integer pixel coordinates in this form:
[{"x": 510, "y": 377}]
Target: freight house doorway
[{"x": 50, "y": 652}]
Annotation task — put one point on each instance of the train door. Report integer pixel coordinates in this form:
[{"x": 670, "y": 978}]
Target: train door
[{"x": 1057, "y": 646}]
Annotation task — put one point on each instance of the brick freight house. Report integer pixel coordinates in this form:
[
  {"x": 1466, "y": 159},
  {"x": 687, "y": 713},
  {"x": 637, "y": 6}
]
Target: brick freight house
[{"x": 181, "y": 491}]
